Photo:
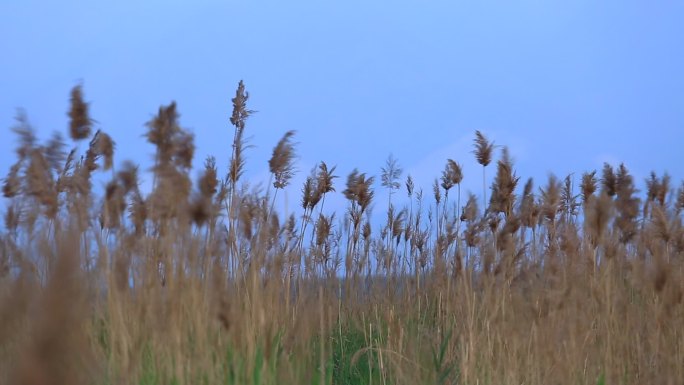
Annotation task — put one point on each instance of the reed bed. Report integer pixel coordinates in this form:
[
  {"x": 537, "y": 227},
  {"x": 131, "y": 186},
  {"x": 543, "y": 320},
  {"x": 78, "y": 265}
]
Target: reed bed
[{"x": 203, "y": 280}]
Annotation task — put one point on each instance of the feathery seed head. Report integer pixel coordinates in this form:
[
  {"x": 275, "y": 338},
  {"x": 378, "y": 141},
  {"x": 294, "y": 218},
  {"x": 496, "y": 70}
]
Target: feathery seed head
[
  {"x": 240, "y": 111},
  {"x": 409, "y": 186},
  {"x": 391, "y": 173},
  {"x": 452, "y": 175},
  {"x": 483, "y": 149},
  {"x": 281, "y": 163},
  {"x": 435, "y": 190},
  {"x": 308, "y": 192},
  {"x": 470, "y": 210},
  {"x": 208, "y": 182},
  {"x": 588, "y": 186},
  {"x": 80, "y": 123},
  {"x": 325, "y": 178},
  {"x": 609, "y": 180}
]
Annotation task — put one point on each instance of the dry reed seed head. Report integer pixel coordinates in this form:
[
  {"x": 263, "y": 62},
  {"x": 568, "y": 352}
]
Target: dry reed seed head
[
  {"x": 240, "y": 111},
  {"x": 128, "y": 176},
  {"x": 551, "y": 198},
  {"x": 12, "y": 183},
  {"x": 528, "y": 205},
  {"x": 420, "y": 240},
  {"x": 658, "y": 188},
  {"x": 679, "y": 204},
  {"x": 569, "y": 205},
  {"x": 325, "y": 179},
  {"x": 55, "y": 153},
  {"x": 365, "y": 193},
  {"x": 503, "y": 188},
  {"x": 115, "y": 205},
  {"x": 483, "y": 149},
  {"x": 80, "y": 124},
  {"x": 200, "y": 209},
  {"x": 281, "y": 163},
  {"x": 69, "y": 163},
  {"x": 398, "y": 224},
  {"x": 456, "y": 171},
  {"x": 652, "y": 187},
  {"x": 356, "y": 182},
  {"x": 93, "y": 154},
  {"x": 137, "y": 212},
  {"x": 597, "y": 217},
  {"x": 223, "y": 192},
  {"x": 290, "y": 227},
  {"x": 493, "y": 221},
  {"x": 366, "y": 232},
  {"x": 111, "y": 189},
  {"x": 26, "y": 134},
  {"x": 39, "y": 179},
  {"x": 512, "y": 225},
  {"x": 626, "y": 204},
  {"x": 77, "y": 182},
  {"x": 184, "y": 149},
  {"x": 307, "y": 192},
  {"x": 323, "y": 227},
  {"x": 624, "y": 182},
  {"x": 391, "y": 173},
  {"x": 609, "y": 180},
  {"x": 527, "y": 189},
  {"x": 436, "y": 191},
  {"x": 589, "y": 185},
  {"x": 161, "y": 131},
  {"x": 409, "y": 186},
  {"x": 569, "y": 239},
  {"x": 470, "y": 210},
  {"x": 208, "y": 181},
  {"x": 408, "y": 231},
  {"x": 105, "y": 147},
  {"x": 390, "y": 214},
  {"x": 661, "y": 224},
  {"x": 664, "y": 189},
  {"x": 452, "y": 175}
]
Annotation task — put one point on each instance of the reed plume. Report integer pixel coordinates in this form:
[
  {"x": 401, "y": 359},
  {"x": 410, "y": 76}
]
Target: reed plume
[
  {"x": 236, "y": 168},
  {"x": 569, "y": 205},
  {"x": 529, "y": 210},
  {"x": 608, "y": 180},
  {"x": 550, "y": 206},
  {"x": 389, "y": 178},
  {"x": 390, "y": 174},
  {"x": 627, "y": 205},
  {"x": 483, "y": 153},
  {"x": 503, "y": 188},
  {"x": 679, "y": 204},
  {"x": 80, "y": 123},
  {"x": 324, "y": 182},
  {"x": 588, "y": 186}
]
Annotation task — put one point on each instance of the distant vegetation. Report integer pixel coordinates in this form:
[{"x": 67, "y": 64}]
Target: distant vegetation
[{"x": 203, "y": 282}]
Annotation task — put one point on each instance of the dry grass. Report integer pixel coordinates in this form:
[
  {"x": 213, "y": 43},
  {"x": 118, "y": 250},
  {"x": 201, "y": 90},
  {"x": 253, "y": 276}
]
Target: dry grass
[{"x": 203, "y": 283}]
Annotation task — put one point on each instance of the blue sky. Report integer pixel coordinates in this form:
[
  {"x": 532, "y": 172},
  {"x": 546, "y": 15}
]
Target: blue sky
[{"x": 566, "y": 85}]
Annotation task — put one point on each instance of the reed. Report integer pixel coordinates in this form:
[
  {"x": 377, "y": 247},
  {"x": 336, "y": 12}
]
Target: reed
[{"x": 205, "y": 280}]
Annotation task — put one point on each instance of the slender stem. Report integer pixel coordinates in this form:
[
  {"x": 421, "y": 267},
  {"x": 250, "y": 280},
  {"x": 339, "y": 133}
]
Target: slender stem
[{"x": 484, "y": 190}]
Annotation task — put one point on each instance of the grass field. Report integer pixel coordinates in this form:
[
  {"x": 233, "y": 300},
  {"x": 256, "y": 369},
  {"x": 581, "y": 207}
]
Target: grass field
[{"x": 202, "y": 282}]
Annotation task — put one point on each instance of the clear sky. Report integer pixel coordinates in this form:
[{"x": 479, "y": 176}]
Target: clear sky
[{"x": 566, "y": 85}]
